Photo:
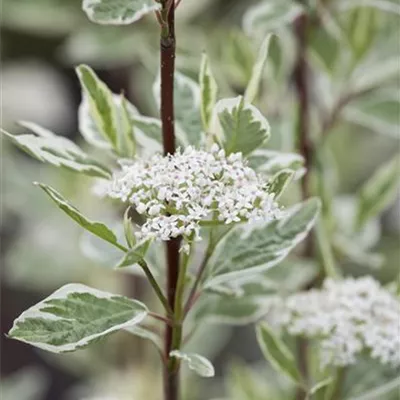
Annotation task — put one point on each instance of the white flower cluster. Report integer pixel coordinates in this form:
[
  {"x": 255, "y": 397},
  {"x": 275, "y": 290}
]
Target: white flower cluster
[
  {"x": 176, "y": 192},
  {"x": 348, "y": 317}
]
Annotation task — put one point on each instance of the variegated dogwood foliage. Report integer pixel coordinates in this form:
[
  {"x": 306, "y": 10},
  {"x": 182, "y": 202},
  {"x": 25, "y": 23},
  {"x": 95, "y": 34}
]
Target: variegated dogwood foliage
[{"x": 238, "y": 257}]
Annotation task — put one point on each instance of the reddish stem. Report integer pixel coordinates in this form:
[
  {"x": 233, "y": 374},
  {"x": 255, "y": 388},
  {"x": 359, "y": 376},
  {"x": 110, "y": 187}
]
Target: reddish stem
[
  {"x": 300, "y": 75},
  {"x": 167, "y": 50}
]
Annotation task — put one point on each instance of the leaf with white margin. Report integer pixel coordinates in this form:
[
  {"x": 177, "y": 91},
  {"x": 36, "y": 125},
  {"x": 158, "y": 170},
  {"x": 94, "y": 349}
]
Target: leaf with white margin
[
  {"x": 118, "y": 12},
  {"x": 56, "y": 150},
  {"x": 101, "y": 104},
  {"x": 74, "y": 316},
  {"x": 267, "y": 17},
  {"x": 253, "y": 86},
  {"x": 187, "y": 106},
  {"x": 249, "y": 249},
  {"x": 379, "y": 191},
  {"x": 279, "y": 182},
  {"x": 269, "y": 162},
  {"x": 97, "y": 228},
  {"x": 239, "y": 126},
  {"x": 276, "y": 352},
  {"x": 208, "y": 89},
  {"x": 195, "y": 362},
  {"x": 87, "y": 125}
]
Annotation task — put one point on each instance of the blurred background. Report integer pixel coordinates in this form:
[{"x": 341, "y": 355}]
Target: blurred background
[{"x": 353, "y": 56}]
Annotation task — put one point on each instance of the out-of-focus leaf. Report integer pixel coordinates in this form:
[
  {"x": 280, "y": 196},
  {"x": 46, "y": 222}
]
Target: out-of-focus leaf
[
  {"x": 97, "y": 228},
  {"x": 378, "y": 191},
  {"x": 270, "y": 162},
  {"x": 375, "y": 72},
  {"x": 379, "y": 392},
  {"x": 145, "y": 333},
  {"x": 25, "y": 384},
  {"x": 253, "y": 248},
  {"x": 318, "y": 386},
  {"x": 270, "y": 16},
  {"x": 239, "y": 126},
  {"x": 276, "y": 352},
  {"x": 195, "y": 362},
  {"x": 362, "y": 29},
  {"x": 56, "y": 150},
  {"x": 187, "y": 107},
  {"x": 245, "y": 302},
  {"x": 74, "y": 316},
  {"x": 379, "y": 112},
  {"x": 118, "y": 12},
  {"x": 390, "y": 6},
  {"x": 208, "y": 89},
  {"x": 253, "y": 86}
]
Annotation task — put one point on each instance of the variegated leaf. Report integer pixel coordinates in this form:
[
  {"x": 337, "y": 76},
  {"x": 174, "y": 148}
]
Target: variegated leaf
[
  {"x": 56, "y": 150},
  {"x": 250, "y": 249},
  {"x": 208, "y": 89},
  {"x": 118, "y": 12},
  {"x": 195, "y": 362},
  {"x": 187, "y": 107},
  {"x": 74, "y": 316}
]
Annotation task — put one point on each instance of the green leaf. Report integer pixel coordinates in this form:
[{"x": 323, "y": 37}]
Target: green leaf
[
  {"x": 239, "y": 126},
  {"x": 276, "y": 352},
  {"x": 208, "y": 90},
  {"x": 244, "y": 302},
  {"x": 187, "y": 107},
  {"x": 318, "y": 386},
  {"x": 134, "y": 255},
  {"x": 250, "y": 249},
  {"x": 389, "y": 6},
  {"x": 145, "y": 333},
  {"x": 270, "y": 162},
  {"x": 148, "y": 135},
  {"x": 267, "y": 17},
  {"x": 74, "y": 316},
  {"x": 379, "y": 392},
  {"x": 97, "y": 228},
  {"x": 118, "y": 12},
  {"x": 280, "y": 182},
  {"x": 378, "y": 112},
  {"x": 375, "y": 72},
  {"x": 379, "y": 191},
  {"x": 123, "y": 113},
  {"x": 101, "y": 103},
  {"x": 253, "y": 86},
  {"x": 128, "y": 229},
  {"x": 362, "y": 30},
  {"x": 57, "y": 150},
  {"x": 195, "y": 362}
]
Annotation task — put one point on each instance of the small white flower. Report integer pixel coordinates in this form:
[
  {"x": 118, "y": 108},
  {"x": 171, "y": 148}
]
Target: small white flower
[
  {"x": 347, "y": 317},
  {"x": 175, "y": 193}
]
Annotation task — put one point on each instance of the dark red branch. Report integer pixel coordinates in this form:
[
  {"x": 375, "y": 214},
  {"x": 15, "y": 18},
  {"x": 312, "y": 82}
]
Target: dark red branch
[
  {"x": 167, "y": 50},
  {"x": 301, "y": 82}
]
